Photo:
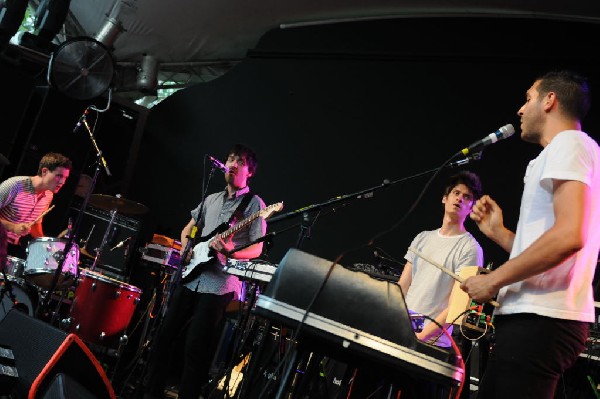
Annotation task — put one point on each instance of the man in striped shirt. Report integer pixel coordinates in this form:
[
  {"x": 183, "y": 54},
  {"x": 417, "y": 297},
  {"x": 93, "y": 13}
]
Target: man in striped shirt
[{"x": 23, "y": 199}]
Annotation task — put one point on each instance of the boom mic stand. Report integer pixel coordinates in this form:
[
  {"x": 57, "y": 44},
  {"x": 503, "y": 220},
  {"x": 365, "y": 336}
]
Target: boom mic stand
[
  {"x": 290, "y": 357},
  {"x": 42, "y": 309}
]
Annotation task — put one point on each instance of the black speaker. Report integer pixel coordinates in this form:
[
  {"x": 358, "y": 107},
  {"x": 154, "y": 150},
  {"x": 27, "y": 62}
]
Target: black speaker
[
  {"x": 42, "y": 351},
  {"x": 65, "y": 387}
]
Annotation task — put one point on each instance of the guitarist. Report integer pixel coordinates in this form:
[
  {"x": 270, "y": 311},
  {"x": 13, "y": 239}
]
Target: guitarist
[{"x": 197, "y": 307}]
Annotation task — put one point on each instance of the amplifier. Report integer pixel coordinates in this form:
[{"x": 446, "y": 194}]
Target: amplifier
[
  {"x": 121, "y": 238},
  {"x": 161, "y": 254}
]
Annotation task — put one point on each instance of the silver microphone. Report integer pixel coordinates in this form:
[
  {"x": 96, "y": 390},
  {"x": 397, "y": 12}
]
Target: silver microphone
[
  {"x": 218, "y": 164},
  {"x": 120, "y": 244}
]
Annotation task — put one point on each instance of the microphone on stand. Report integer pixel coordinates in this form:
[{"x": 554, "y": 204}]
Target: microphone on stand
[
  {"x": 120, "y": 243},
  {"x": 218, "y": 164},
  {"x": 504, "y": 132},
  {"x": 473, "y": 157},
  {"x": 81, "y": 119}
]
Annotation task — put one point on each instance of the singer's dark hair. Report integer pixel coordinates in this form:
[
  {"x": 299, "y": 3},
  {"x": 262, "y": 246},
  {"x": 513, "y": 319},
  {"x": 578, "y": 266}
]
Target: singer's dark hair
[
  {"x": 469, "y": 179},
  {"x": 245, "y": 152},
  {"x": 572, "y": 90},
  {"x": 53, "y": 160}
]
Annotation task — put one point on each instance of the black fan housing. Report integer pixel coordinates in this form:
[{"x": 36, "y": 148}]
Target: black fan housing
[{"x": 81, "y": 68}]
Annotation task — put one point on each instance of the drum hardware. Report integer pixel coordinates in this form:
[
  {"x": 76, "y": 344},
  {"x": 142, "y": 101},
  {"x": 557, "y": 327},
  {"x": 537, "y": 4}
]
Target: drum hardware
[
  {"x": 83, "y": 249},
  {"x": 15, "y": 266},
  {"x": 17, "y": 293},
  {"x": 118, "y": 203}
]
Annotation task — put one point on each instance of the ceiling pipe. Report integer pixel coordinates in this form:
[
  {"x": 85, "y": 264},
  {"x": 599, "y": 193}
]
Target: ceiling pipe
[{"x": 109, "y": 32}]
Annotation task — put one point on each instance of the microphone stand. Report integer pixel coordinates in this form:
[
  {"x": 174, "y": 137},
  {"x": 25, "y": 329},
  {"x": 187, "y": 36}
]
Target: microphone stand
[
  {"x": 42, "y": 309},
  {"x": 306, "y": 223},
  {"x": 175, "y": 280}
]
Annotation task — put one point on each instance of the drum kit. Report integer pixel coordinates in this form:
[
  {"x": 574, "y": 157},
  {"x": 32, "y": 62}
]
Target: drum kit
[{"x": 101, "y": 308}]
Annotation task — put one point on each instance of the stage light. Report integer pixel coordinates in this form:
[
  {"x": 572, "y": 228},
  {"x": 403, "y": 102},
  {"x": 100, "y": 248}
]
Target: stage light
[{"x": 147, "y": 78}]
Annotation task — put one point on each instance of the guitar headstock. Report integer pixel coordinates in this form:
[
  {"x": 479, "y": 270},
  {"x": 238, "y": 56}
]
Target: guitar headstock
[{"x": 271, "y": 209}]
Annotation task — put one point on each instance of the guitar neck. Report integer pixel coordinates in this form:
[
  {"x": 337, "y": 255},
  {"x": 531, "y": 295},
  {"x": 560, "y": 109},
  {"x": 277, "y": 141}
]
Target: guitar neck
[{"x": 239, "y": 225}]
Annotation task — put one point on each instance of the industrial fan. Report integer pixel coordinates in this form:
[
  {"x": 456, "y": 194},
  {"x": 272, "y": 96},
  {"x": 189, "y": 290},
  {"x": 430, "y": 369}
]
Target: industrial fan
[{"x": 81, "y": 68}]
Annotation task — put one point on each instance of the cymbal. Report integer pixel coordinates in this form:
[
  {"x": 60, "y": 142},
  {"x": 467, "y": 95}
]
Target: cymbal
[
  {"x": 122, "y": 205},
  {"x": 83, "y": 251}
]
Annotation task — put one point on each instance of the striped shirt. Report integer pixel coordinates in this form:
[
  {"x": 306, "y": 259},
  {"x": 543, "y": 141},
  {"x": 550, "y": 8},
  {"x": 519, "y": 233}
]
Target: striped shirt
[{"x": 19, "y": 203}]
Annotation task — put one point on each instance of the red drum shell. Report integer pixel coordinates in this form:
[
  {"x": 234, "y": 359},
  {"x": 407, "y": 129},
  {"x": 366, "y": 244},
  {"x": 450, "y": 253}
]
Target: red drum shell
[{"x": 102, "y": 308}]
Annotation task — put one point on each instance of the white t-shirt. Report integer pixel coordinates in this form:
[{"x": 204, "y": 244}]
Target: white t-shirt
[
  {"x": 430, "y": 288},
  {"x": 565, "y": 291}
]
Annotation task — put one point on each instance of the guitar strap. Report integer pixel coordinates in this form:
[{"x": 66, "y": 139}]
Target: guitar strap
[{"x": 239, "y": 211}]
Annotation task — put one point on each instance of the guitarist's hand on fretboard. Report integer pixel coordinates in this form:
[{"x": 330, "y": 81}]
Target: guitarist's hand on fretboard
[{"x": 219, "y": 242}]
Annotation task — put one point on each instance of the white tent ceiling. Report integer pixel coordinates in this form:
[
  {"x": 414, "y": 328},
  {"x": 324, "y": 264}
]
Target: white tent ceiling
[{"x": 196, "y": 40}]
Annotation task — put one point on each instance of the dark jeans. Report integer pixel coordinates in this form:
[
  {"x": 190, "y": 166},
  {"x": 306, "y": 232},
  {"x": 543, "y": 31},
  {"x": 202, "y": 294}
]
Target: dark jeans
[
  {"x": 529, "y": 355},
  {"x": 203, "y": 314}
]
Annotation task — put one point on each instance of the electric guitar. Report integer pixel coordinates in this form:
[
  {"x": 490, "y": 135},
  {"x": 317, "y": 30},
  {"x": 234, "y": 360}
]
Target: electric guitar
[{"x": 203, "y": 253}]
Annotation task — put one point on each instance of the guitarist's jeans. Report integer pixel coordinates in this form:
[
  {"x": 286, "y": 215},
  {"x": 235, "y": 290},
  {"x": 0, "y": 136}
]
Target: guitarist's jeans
[{"x": 196, "y": 318}]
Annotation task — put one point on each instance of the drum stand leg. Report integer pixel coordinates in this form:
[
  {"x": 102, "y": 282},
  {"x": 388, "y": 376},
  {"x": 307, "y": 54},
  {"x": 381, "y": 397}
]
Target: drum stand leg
[
  {"x": 244, "y": 326},
  {"x": 137, "y": 363},
  {"x": 56, "y": 311},
  {"x": 122, "y": 343}
]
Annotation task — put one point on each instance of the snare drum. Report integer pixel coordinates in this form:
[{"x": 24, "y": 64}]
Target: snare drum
[
  {"x": 15, "y": 266},
  {"x": 102, "y": 308},
  {"x": 26, "y": 296},
  {"x": 43, "y": 257}
]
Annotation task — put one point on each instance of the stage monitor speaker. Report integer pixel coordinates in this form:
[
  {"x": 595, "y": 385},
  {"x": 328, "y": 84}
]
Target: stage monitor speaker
[
  {"x": 64, "y": 387},
  {"x": 42, "y": 351},
  {"x": 121, "y": 239}
]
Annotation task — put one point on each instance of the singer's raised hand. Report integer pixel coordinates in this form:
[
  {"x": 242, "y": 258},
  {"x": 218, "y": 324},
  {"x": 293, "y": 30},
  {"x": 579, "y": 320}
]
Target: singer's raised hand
[{"x": 488, "y": 216}]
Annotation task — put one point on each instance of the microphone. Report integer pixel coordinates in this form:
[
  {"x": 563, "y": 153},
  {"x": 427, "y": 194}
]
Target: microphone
[
  {"x": 218, "y": 164},
  {"x": 120, "y": 244},
  {"x": 504, "y": 132},
  {"x": 473, "y": 157},
  {"x": 81, "y": 119}
]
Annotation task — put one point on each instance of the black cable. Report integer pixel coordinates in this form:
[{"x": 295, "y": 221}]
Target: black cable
[{"x": 371, "y": 242}]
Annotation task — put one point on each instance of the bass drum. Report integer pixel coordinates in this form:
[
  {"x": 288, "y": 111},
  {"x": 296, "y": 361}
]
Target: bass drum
[{"x": 24, "y": 298}]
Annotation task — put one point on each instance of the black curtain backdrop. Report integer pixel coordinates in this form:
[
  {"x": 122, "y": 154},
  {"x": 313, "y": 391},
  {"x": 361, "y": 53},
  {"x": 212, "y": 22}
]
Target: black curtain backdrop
[
  {"x": 334, "y": 110},
  {"x": 331, "y": 110}
]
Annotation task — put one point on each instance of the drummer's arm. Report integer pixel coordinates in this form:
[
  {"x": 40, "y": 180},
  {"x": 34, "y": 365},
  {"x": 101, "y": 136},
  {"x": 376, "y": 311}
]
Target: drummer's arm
[{"x": 17, "y": 228}]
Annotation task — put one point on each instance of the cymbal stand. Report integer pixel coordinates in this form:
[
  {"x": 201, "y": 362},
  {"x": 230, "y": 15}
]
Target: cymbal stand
[
  {"x": 100, "y": 250},
  {"x": 85, "y": 243}
]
